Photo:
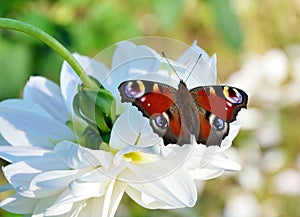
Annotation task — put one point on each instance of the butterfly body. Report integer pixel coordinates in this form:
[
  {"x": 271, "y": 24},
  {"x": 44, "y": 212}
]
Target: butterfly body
[{"x": 176, "y": 114}]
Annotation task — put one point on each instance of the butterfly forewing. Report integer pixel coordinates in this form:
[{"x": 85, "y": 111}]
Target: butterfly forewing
[{"x": 223, "y": 101}]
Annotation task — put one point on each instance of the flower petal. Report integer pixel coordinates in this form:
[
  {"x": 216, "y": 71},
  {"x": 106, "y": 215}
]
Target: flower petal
[
  {"x": 233, "y": 131},
  {"x": 132, "y": 128},
  {"x": 112, "y": 198},
  {"x": 142, "y": 170},
  {"x": 221, "y": 161},
  {"x": 127, "y": 51},
  {"x": 89, "y": 208},
  {"x": 48, "y": 183},
  {"x": 18, "y": 204},
  {"x": 42, "y": 205},
  {"x": 6, "y": 187},
  {"x": 46, "y": 94},
  {"x": 71, "y": 154},
  {"x": 20, "y": 153},
  {"x": 86, "y": 189},
  {"x": 205, "y": 173},
  {"x": 204, "y": 72},
  {"x": 174, "y": 191},
  {"x": 3, "y": 142},
  {"x": 107, "y": 204},
  {"x": 60, "y": 209},
  {"x": 21, "y": 174},
  {"x": 69, "y": 80},
  {"x": 25, "y": 124}
]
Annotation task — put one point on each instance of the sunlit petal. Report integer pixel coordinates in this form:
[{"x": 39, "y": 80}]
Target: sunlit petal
[
  {"x": 174, "y": 191},
  {"x": 46, "y": 94},
  {"x": 30, "y": 126}
]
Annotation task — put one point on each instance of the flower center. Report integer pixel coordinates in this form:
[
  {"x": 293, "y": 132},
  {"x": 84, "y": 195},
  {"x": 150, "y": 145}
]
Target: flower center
[{"x": 136, "y": 157}]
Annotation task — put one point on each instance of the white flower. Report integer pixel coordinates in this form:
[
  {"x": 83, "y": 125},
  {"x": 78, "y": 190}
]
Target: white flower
[{"x": 53, "y": 175}]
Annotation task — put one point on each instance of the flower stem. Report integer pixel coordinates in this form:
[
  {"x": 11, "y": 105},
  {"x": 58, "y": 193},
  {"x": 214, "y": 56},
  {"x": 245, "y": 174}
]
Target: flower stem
[{"x": 51, "y": 42}]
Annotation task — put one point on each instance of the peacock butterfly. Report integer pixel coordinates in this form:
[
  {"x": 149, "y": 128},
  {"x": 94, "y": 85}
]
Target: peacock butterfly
[{"x": 176, "y": 114}]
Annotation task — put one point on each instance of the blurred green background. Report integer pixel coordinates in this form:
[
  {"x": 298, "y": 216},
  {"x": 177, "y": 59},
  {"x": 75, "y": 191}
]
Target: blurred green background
[{"x": 250, "y": 37}]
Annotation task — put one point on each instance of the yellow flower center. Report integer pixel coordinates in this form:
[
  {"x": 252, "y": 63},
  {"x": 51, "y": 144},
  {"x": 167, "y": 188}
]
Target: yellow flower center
[{"x": 138, "y": 157}]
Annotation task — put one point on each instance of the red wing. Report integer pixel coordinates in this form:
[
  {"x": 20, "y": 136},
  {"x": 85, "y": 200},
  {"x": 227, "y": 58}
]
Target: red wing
[
  {"x": 223, "y": 101},
  {"x": 154, "y": 99},
  {"x": 150, "y": 97}
]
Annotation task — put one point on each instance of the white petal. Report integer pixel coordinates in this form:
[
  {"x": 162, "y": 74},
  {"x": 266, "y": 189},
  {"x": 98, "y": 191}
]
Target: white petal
[
  {"x": 42, "y": 205},
  {"x": 107, "y": 204},
  {"x": 134, "y": 68},
  {"x": 18, "y": 204},
  {"x": 90, "y": 207},
  {"x": 19, "y": 176},
  {"x": 127, "y": 51},
  {"x": 88, "y": 189},
  {"x": 25, "y": 105},
  {"x": 227, "y": 164},
  {"x": 54, "y": 180},
  {"x": 67, "y": 203},
  {"x": 123, "y": 51},
  {"x": 30, "y": 126},
  {"x": 131, "y": 62},
  {"x": 79, "y": 191},
  {"x": 46, "y": 94},
  {"x": 68, "y": 83},
  {"x": 205, "y": 173},
  {"x": 174, "y": 191},
  {"x": 204, "y": 72},
  {"x": 3, "y": 142},
  {"x": 131, "y": 127},
  {"x": 69, "y": 80},
  {"x": 19, "y": 153},
  {"x": 94, "y": 158},
  {"x": 150, "y": 169},
  {"x": 206, "y": 163},
  {"x": 202, "y": 155},
  {"x": 112, "y": 198},
  {"x": 234, "y": 129},
  {"x": 6, "y": 187},
  {"x": 71, "y": 154},
  {"x": 146, "y": 200}
]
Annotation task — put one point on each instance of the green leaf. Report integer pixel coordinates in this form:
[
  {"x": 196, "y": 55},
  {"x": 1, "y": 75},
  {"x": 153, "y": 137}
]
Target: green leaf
[
  {"x": 96, "y": 107},
  {"x": 168, "y": 12},
  {"x": 106, "y": 103},
  {"x": 227, "y": 23},
  {"x": 8, "y": 214},
  {"x": 15, "y": 62}
]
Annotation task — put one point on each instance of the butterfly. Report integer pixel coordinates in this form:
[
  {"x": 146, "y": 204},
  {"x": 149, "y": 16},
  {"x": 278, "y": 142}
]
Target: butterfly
[{"x": 175, "y": 114}]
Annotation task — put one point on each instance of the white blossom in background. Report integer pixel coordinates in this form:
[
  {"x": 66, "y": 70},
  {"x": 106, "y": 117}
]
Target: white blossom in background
[
  {"x": 287, "y": 182},
  {"x": 263, "y": 76},
  {"x": 242, "y": 205},
  {"x": 52, "y": 175},
  {"x": 272, "y": 80}
]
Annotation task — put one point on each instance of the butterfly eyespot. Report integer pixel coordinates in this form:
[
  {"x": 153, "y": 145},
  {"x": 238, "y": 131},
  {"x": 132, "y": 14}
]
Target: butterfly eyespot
[
  {"x": 217, "y": 123},
  {"x": 161, "y": 121},
  {"x": 233, "y": 95},
  {"x": 134, "y": 89}
]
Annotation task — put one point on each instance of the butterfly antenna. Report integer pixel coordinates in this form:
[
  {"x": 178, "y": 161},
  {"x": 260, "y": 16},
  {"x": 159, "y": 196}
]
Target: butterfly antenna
[
  {"x": 164, "y": 55},
  {"x": 194, "y": 66}
]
